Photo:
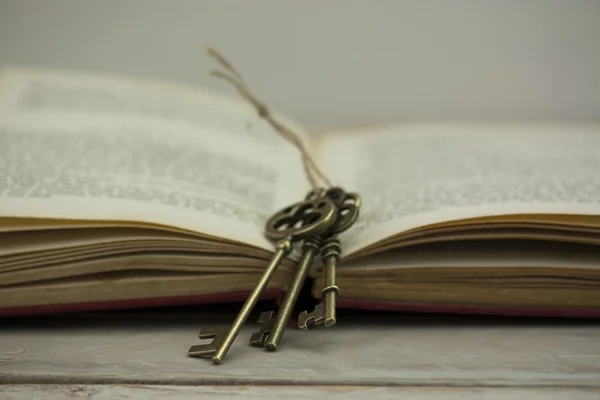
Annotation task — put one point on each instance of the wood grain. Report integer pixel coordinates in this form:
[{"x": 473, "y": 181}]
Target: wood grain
[
  {"x": 400, "y": 351},
  {"x": 143, "y": 392}
]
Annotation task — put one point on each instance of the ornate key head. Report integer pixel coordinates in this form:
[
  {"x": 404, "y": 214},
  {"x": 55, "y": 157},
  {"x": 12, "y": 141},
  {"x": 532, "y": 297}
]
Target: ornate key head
[
  {"x": 301, "y": 220},
  {"x": 348, "y": 205}
]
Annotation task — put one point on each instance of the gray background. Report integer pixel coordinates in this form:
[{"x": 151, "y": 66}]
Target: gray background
[{"x": 337, "y": 63}]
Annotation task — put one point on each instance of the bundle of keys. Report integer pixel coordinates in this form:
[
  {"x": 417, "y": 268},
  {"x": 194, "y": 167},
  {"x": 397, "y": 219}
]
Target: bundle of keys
[{"x": 315, "y": 224}]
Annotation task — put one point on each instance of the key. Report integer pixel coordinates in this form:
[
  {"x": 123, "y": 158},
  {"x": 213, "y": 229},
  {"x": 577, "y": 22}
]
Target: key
[
  {"x": 349, "y": 209},
  {"x": 291, "y": 224},
  {"x": 324, "y": 312},
  {"x": 310, "y": 248},
  {"x": 332, "y": 249},
  {"x": 223, "y": 337}
]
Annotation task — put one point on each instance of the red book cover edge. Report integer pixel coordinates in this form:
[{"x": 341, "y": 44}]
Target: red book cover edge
[
  {"x": 570, "y": 312},
  {"x": 135, "y": 303},
  {"x": 277, "y": 295}
]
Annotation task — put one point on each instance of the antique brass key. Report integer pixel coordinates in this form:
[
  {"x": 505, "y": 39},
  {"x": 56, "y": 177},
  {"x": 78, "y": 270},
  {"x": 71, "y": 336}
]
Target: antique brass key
[
  {"x": 324, "y": 312},
  {"x": 311, "y": 247},
  {"x": 223, "y": 337},
  {"x": 348, "y": 211},
  {"x": 302, "y": 220}
]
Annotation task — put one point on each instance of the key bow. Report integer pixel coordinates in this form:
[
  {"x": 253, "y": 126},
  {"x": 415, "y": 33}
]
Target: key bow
[
  {"x": 301, "y": 220},
  {"x": 347, "y": 203}
]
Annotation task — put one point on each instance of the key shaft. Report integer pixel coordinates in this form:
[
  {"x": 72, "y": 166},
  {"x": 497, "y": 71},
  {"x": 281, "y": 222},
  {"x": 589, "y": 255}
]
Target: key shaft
[
  {"x": 330, "y": 253},
  {"x": 284, "y": 248},
  {"x": 310, "y": 249}
]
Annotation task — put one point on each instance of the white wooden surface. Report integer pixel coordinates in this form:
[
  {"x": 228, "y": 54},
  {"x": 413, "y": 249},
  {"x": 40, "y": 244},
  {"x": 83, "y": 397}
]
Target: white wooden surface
[
  {"x": 143, "y": 392},
  {"x": 427, "y": 357}
]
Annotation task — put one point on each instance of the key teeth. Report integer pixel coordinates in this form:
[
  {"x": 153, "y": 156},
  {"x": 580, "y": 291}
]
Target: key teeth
[
  {"x": 258, "y": 339},
  {"x": 302, "y": 319},
  {"x": 201, "y": 350},
  {"x": 266, "y": 320},
  {"x": 217, "y": 334},
  {"x": 313, "y": 318},
  {"x": 266, "y": 317},
  {"x": 208, "y": 333}
]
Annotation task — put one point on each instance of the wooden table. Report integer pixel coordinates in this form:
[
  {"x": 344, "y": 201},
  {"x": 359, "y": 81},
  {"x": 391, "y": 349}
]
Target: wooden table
[{"x": 143, "y": 356}]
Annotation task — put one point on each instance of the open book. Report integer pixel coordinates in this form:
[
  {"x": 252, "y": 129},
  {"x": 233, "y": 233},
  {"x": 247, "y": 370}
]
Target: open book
[{"x": 122, "y": 192}]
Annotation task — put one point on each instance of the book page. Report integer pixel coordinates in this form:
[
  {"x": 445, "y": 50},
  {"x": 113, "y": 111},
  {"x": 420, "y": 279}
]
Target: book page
[
  {"x": 80, "y": 146},
  {"x": 418, "y": 175}
]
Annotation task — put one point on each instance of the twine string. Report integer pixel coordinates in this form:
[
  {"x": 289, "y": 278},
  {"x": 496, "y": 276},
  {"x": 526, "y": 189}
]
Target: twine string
[{"x": 235, "y": 78}]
